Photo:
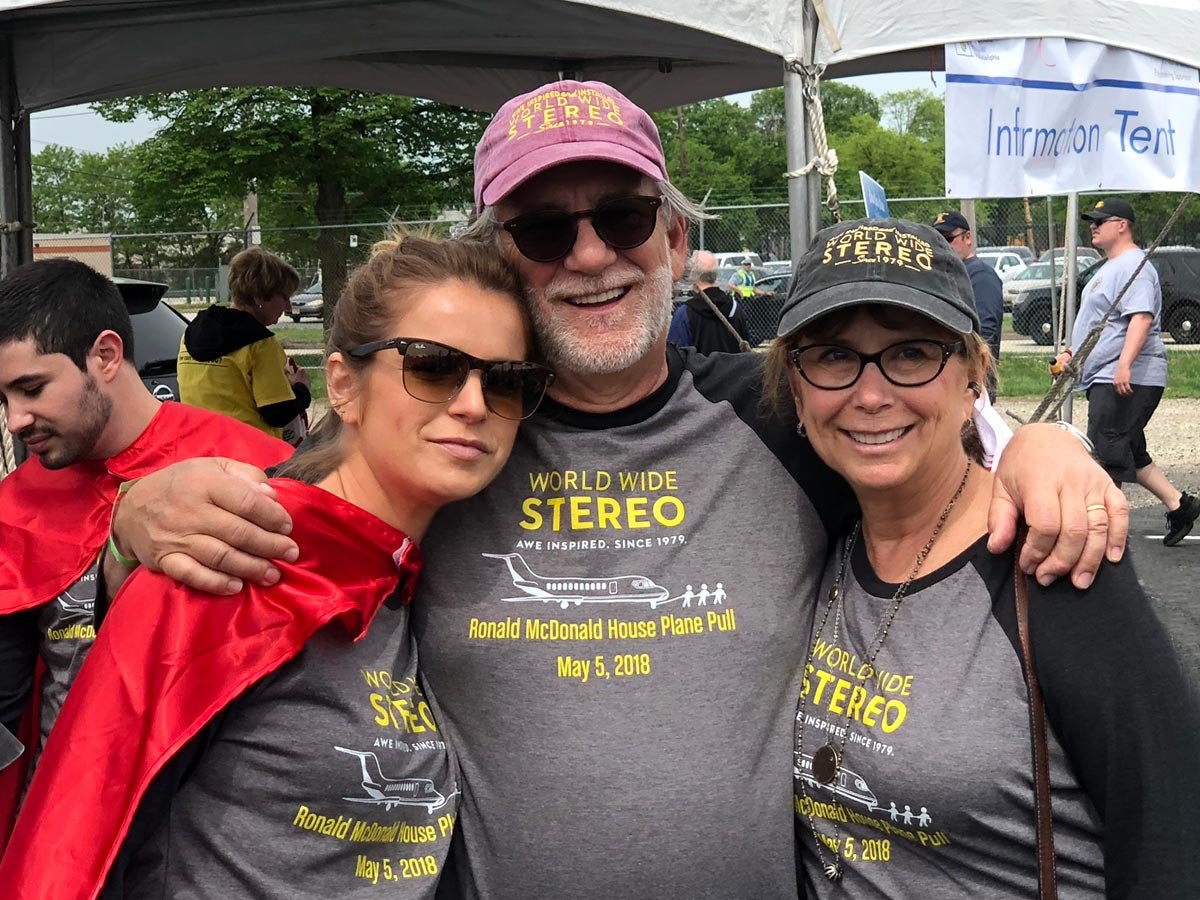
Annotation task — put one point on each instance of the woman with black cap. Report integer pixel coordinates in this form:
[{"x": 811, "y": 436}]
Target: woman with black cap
[{"x": 913, "y": 773}]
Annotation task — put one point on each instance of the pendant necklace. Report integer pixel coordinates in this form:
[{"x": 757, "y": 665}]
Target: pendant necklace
[{"x": 826, "y": 764}]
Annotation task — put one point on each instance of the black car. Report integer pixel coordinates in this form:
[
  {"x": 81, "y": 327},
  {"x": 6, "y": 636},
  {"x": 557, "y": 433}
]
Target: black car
[
  {"x": 1178, "y": 275},
  {"x": 157, "y": 331}
]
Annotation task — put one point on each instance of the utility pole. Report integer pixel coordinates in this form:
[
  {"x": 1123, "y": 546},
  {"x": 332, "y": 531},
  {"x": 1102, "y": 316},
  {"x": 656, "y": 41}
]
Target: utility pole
[{"x": 251, "y": 233}]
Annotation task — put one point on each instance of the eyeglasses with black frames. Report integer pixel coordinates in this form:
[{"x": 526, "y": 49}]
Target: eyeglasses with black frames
[
  {"x": 834, "y": 367},
  {"x": 547, "y": 235},
  {"x": 435, "y": 373}
]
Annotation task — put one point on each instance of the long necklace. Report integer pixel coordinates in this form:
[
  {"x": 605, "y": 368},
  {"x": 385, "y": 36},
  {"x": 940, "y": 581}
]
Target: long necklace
[{"x": 826, "y": 763}]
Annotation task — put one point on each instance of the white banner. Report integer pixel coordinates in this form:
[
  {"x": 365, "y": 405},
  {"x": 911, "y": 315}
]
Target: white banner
[{"x": 1049, "y": 116}]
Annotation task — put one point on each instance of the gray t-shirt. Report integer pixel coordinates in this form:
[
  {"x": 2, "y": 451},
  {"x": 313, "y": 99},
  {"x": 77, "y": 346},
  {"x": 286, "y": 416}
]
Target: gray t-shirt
[
  {"x": 935, "y": 794},
  {"x": 330, "y": 778},
  {"x": 612, "y": 632},
  {"x": 1143, "y": 296},
  {"x": 67, "y": 629}
]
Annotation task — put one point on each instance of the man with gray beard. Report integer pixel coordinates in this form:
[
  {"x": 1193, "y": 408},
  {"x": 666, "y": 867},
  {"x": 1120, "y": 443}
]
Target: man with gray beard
[{"x": 613, "y": 646}]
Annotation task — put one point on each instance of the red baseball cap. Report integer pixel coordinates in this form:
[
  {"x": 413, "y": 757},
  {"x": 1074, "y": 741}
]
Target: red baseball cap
[{"x": 559, "y": 123}]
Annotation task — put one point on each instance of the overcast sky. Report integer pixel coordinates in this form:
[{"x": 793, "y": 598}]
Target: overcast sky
[{"x": 79, "y": 127}]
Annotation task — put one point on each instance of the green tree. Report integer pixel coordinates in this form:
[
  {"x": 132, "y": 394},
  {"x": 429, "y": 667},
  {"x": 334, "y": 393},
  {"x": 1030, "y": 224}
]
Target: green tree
[
  {"x": 841, "y": 103},
  {"x": 929, "y": 121},
  {"x": 346, "y": 153},
  {"x": 904, "y": 164},
  {"x": 902, "y": 110},
  {"x": 78, "y": 191}
]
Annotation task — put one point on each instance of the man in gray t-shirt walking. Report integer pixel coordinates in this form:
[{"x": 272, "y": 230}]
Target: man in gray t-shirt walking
[{"x": 1126, "y": 372}]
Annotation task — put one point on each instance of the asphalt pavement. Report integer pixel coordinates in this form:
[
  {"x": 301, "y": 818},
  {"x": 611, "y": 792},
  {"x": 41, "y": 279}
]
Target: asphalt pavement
[{"x": 1169, "y": 576}]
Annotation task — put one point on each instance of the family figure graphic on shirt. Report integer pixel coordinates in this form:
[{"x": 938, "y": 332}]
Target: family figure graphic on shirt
[
  {"x": 718, "y": 595},
  {"x": 924, "y": 820}
]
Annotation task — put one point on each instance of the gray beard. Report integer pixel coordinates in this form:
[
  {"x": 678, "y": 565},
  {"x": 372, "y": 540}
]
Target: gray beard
[{"x": 568, "y": 349}]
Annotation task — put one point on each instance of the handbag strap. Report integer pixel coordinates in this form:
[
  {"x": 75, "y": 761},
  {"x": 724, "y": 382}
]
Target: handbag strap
[{"x": 1047, "y": 882}]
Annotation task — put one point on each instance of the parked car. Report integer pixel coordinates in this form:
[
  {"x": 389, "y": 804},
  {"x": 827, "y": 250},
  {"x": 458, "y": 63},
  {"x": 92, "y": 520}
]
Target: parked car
[
  {"x": 1037, "y": 277},
  {"x": 1178, "y": 275},
  {"x": 1007, "y": 265},
  {"x": 308, "y": 302},
  {"x": 733, "y": 260},
  {"x": 1020, "y": 249},
  {"x": 724, "y": 273},
  {"x": 1061, "y": 252},
  {"x": 157, "y": 331},
  {"x": 762, "y": 312},
  {"x": 778, "y": 266}
]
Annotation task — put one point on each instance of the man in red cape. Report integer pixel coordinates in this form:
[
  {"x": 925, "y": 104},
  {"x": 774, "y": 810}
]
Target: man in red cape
[{"x": 74, "y": 397}]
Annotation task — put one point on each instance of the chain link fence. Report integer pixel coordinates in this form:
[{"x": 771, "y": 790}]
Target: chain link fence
[{"x": 1015, "y": 234}]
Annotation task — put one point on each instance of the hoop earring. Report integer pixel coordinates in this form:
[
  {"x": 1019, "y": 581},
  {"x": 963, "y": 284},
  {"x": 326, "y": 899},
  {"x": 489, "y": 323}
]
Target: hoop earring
[{"x": 800, "y": 430}]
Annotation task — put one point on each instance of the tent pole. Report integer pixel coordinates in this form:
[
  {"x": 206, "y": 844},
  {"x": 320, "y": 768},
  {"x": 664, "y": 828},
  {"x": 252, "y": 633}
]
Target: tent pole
[
  {"x": 23, "y": 150},
  {"x": 799, "y": 216},
  {"x": 1070, "y": 260},
  {"x": 804, "y": 194},
  {"x": 10, "y": 256}
]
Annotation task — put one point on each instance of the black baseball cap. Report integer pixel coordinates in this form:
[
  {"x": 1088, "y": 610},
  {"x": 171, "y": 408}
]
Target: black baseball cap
[
  {"x": 1109, "y": 208},
  {"x": 951, "y": 221},
  {"x": 890, "y": 261}
]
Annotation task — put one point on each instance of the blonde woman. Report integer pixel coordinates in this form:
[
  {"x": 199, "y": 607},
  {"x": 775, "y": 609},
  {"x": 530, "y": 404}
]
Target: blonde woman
[
  {"x": 285, "y": 746},
  {"x": 229, "y": 359}
]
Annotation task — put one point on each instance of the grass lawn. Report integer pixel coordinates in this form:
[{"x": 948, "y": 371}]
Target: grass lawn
[
  {"x": 317, "y": 378},
  {"x": 296, "y": 337},
  {"x": 1027, "y": 375}
]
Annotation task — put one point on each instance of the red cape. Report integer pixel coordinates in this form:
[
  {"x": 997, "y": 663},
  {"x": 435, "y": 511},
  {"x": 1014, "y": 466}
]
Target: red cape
[
  {"x": 167, "y": 661},
  {"x": 55, "y": 523}
]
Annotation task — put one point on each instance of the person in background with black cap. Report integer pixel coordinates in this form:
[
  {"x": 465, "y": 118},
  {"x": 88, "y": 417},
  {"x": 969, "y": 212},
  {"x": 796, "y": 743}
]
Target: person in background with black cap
[
  {"x": 1125, "y": 374},
  {"x": 989, "y": 292},
  {"x": 912, "y": 769}
]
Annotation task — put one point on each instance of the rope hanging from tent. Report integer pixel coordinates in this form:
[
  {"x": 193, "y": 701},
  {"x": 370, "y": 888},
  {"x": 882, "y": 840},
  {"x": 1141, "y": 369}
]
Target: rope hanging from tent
[
  {"x": 826, "y": 160},
  {"x": 1053, "y": 401}
]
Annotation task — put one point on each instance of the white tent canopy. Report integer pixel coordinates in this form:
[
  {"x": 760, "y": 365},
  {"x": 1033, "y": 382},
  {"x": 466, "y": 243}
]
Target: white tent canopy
[
  {"x": 478, "y": 53},
  {"x": 474, "y": 53},
  {"x": 910, "y": 35}
]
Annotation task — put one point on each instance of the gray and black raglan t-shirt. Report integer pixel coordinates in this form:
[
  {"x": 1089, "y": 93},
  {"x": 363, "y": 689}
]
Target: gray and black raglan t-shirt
[
  {"x": 329, "y": 778},
  {"x": 935, "y": 795},
  {"x": 613, "y": 631},
  {"x": 66, "y": 631}
]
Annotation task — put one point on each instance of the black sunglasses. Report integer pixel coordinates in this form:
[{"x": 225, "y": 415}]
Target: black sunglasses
[
  {"x": 1099, "y": 222},
  {"x": 547, "y": 235},
  {"x": 435, "y": 373},
  {"x": 835, "y": 367}
]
